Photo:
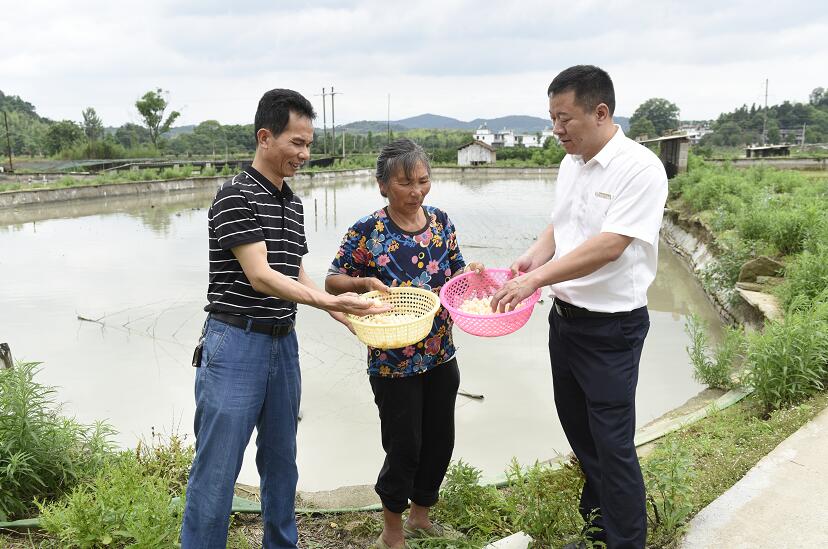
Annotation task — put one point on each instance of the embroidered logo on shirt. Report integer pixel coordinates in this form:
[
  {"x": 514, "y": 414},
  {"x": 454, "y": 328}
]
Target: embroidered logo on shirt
[{"x": 605, "y": 196}]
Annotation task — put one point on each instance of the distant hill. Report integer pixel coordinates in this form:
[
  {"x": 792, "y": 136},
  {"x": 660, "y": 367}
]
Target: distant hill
[
  {"x": 179, "y": 130},
  {"x": 623, "y": 121},
  {"x": 13, "y": 103},
  {"x": 433, "y": 122},
  {"x": 518, "y": 123},
  {"x": 365, "y": 126},
  {"x": 428, "y": 121}
]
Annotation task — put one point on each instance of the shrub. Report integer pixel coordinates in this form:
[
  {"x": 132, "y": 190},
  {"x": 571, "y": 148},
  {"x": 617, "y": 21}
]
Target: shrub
[
  {"x": 167, "y": 458},
  {"x": 121, "y": 506},
  {"x": 668, "y": 476},
  {"x": 806, "y": 276},
  {"x": 465, "y": 504},
  {"x": 714, "y": 372},
  {"x": 788, "y": 360},
  {"x": 722, "y": 273},
  {"x": 544, "y": 503},
  {"x": 729, "y": 353},
  {"x": 790, "y": 229},
  {"x": 42, "y": 454},
  {"x": 170, "y": 173}
]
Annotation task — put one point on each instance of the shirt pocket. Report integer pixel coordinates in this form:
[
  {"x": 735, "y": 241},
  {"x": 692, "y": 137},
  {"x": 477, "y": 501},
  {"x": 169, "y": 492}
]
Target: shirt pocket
[{"x": 598, "y": 204}]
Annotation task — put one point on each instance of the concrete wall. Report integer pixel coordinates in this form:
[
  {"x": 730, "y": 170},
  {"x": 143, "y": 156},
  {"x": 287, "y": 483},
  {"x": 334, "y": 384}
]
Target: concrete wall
[
  {"x": 39, "y": 196},
  {"x": 695, "y": 244},
  {"x": 44, "y": 196},
  {"x": 784, "y": 163},
  {"x": 673, "y": 154}
]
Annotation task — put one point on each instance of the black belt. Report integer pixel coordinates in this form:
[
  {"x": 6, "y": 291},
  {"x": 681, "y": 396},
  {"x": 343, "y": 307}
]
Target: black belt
[
  {"x": 275, "y": 330},
  {"x": 567, "y": 310}
]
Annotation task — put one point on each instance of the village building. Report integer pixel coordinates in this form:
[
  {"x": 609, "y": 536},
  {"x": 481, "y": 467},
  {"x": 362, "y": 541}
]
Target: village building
[
  {"x": 672, "y": 150},
  {"x": 765, "y": 151},
  {"x": 507, "y": 138},
  {"x": 475, "y": 153}
]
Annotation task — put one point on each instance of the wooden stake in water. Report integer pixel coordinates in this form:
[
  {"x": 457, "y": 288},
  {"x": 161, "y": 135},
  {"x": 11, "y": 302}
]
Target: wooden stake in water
[
  {"x": 6, "y": 360},
  {"x": 8, "y": 142}
]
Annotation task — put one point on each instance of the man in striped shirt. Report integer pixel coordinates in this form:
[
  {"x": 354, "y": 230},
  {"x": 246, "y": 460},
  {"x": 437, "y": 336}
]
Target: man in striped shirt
[{"x": 248, "y": 373}]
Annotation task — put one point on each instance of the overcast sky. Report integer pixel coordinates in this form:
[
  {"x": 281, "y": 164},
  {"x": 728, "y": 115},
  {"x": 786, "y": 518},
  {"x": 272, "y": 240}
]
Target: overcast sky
[{"x": 460, "y": 58}]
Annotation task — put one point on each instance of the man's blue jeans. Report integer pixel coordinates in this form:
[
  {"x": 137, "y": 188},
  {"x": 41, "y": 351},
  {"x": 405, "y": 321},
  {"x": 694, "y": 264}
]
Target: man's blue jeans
[{"x": 246, "y": 379}]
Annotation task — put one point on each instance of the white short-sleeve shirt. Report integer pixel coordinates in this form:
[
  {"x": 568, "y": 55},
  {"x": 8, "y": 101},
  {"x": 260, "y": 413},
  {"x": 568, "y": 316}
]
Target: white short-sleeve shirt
[{"x": 622, "y": 190}]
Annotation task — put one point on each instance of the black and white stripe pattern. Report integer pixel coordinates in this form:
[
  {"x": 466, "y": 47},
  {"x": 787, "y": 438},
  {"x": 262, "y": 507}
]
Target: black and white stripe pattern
[{"x": 247, "y": 209}]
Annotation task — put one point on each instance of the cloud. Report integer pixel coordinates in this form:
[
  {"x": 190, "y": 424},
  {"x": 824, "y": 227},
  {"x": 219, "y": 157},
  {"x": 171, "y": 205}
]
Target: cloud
[{"x": 459, "y": 58}]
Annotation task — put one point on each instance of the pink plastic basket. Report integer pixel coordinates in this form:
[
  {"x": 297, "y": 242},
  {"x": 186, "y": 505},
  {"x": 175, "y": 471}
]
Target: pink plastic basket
[{"x": 479, "y": 285}]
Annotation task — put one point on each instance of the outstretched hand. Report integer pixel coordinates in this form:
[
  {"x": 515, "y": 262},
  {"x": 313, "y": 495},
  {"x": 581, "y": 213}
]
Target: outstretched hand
[
  {"x": 342, "y": 319},
  {"x": 475, "y": 266},
  {"x": 509, "y": 296},
  {"x": 351, "y": 303},
  {"x": 522, "y": 264},
  {"x": 371, "y": 284}
]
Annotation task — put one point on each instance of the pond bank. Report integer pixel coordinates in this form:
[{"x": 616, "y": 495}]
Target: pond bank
[
  {"x": 44, "y": 196},
  {"x": 692, "y": 242},
  {"x": 778, "y": 503},
  {"x": 781, "y": 163}
]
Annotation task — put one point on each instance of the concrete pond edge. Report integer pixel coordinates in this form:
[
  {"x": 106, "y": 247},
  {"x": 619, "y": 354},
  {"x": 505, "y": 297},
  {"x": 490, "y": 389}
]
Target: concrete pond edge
[{"x": 687, "y": 237}]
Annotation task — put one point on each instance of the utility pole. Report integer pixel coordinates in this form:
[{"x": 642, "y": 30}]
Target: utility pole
[
  {"x": 8, "y": 142},
  {"x": 333, "y": 118},
  {"x": 802, "y": 143},
  {"x": 324, "y": 123},
  {"x": 765, "y": 112},
  {"x": 388, "y": 119}
]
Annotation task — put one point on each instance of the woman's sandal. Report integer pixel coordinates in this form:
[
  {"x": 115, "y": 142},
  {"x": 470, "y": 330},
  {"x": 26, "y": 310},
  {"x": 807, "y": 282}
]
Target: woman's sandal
[
  {"x": 436, "y": 530},
  {"x": 380, "y": 544}
]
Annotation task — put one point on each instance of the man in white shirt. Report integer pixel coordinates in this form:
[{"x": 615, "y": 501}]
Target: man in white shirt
[{"x": 599, "y": 255}]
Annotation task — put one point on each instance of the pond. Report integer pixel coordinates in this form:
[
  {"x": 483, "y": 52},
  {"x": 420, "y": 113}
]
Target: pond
[{"x": 136, "y": 269}]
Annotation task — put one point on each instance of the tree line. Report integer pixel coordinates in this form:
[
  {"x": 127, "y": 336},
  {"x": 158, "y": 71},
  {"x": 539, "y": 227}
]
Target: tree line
[
  {"x": 33, "y": 135},
  {"x": 745, "y": 125}
]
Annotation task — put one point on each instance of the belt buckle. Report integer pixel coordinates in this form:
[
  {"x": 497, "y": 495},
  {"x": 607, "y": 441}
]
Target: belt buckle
[{"x": 279, "y": 330}]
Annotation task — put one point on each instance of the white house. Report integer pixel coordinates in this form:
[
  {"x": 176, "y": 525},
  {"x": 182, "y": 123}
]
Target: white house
[
  {"x": 546, "y": 134},
  {"x": 484, "y": 134},
  {"x": 504, "y": 138},
  {"x": 475, "y": 153},
  {"x": 695, "y": 132},
  {"x": 528, "y": 140},
  {"x": 507, "y": 138}
]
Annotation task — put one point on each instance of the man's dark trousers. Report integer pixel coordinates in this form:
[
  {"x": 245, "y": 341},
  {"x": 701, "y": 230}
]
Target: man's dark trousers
[{"x": 595, "y": 373}]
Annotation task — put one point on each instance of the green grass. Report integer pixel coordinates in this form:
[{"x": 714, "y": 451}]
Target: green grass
[
  {"x": 788, "y": 361},
  {"x": 126, "y": 176},
  {"x": 123, "y": 505},
  {"x": 750, "y": 211},
  {"x": 43, "y": 454},
  {"x": 685, "y": 471}
]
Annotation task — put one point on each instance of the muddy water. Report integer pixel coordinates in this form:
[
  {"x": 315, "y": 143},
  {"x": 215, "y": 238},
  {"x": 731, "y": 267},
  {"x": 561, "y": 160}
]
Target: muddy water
[{"x": 108, "y": 294}]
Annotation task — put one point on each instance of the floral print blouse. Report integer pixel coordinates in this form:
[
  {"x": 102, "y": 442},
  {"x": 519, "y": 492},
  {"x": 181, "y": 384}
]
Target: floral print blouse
[{"x": 375, "y": 247}]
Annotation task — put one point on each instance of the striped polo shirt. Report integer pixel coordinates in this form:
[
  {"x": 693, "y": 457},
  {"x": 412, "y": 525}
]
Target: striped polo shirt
[{"x": 246, "y": 209}]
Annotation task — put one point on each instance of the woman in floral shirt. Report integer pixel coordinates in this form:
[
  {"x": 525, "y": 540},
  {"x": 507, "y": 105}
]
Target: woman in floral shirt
[{"x": 407, "y": 244}]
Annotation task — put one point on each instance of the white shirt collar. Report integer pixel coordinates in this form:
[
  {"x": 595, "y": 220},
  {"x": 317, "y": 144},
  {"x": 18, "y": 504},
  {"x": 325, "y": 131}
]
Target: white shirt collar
[{"x": 608, "y": 151}]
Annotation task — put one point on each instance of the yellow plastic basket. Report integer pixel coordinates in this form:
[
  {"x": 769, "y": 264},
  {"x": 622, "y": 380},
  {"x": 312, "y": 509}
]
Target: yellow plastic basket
[{"x": 389, "y": 330}]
